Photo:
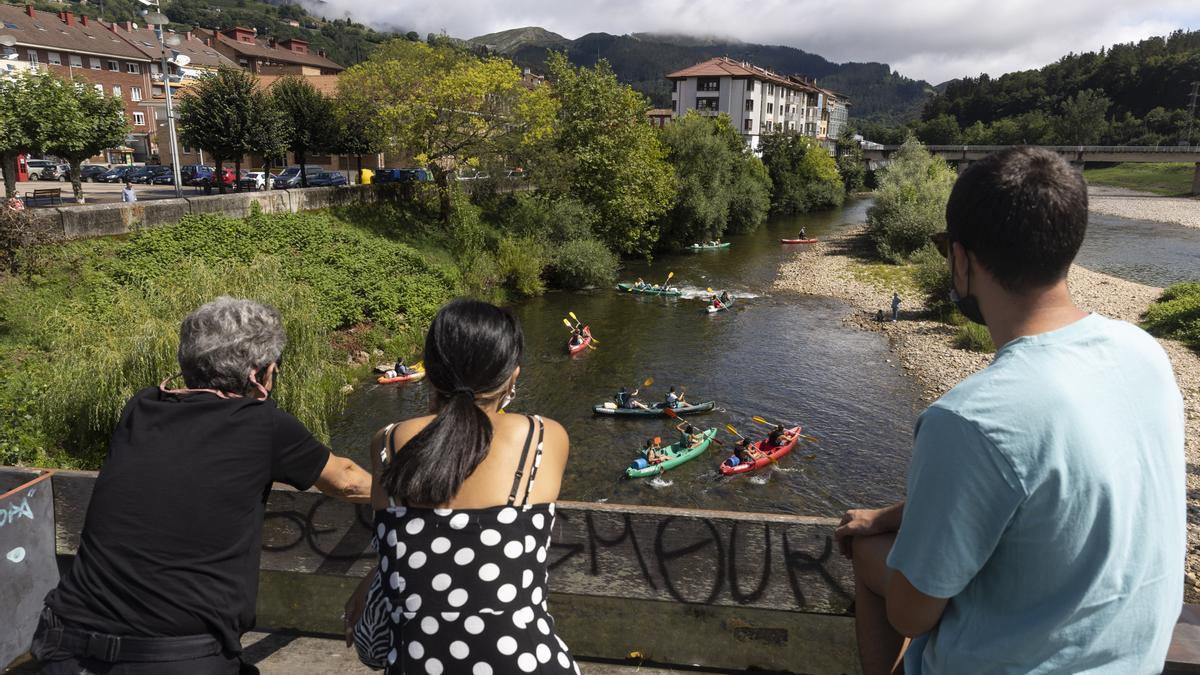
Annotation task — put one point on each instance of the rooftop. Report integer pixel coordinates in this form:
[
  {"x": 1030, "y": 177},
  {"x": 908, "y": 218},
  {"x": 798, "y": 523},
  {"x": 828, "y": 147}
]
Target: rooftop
[
  {"x": 64, "y": 31},
  {"x": 293, "y": 51},
  {"x": 723, "y": 66},
  {"x": 146, "y": 41}
]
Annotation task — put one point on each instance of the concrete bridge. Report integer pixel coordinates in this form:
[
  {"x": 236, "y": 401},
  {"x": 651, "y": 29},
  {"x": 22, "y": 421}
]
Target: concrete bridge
[{"x": 1079, "y": 155}]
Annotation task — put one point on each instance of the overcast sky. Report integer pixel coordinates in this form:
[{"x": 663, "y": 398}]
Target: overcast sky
[{"x": 934, "y": 40}]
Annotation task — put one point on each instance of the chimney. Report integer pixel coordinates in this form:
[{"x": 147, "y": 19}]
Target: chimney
[
  {"x": 68, "y": 18},
  {"x": 127, "y": 25},
  {"x": 271, "y": 42},
  {"x": 29, "y": 10},
  {"x": 188, "y": 36},
  {"x": 83, "y": 19},
  {"x": 321, "y": 53}
]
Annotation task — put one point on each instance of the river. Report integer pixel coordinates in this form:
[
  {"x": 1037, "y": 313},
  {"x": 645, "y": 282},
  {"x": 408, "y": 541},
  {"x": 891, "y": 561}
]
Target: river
[{"x": 777, "y": 355}]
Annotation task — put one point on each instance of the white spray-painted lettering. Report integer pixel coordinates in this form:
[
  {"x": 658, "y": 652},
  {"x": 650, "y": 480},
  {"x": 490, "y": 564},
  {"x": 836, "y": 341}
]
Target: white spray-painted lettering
[
  {"x": 16, "y": 555},
  {"x": 10, "y": 514}
]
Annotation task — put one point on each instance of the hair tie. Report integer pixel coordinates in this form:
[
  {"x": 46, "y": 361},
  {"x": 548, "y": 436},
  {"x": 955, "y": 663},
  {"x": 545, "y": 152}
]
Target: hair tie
[{"x": 462, "y": 390}]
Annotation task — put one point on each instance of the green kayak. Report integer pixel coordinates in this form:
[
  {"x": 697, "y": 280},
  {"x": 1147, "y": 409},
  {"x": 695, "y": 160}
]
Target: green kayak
[
  {"x": 640, "y": 469},
  {"x": 649, "y": 290},
  {"x": 710, "y": 247}
]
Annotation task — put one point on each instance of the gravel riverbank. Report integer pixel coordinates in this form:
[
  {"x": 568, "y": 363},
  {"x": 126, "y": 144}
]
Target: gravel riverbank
[
  {"x": 1144, "y": 206},
  {"x": 925, "y": 348}
]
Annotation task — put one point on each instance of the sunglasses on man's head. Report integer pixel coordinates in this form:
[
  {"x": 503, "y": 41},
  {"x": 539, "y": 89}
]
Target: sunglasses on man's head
[{"x": 941, "y": 240}]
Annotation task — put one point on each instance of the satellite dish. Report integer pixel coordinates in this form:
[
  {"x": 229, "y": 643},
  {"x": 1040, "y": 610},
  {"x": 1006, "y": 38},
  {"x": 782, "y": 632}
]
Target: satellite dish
[
  {"x": 181, "y": 60},
  {"x": 8, "y": 40}
]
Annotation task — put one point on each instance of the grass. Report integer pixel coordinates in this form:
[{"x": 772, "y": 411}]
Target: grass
[
  {"x": 971, "y": 336},
  {"x": 1165, "y": 179},
  {"x": 1176, "y": 314},
  {"x": 887, "y": 277}
]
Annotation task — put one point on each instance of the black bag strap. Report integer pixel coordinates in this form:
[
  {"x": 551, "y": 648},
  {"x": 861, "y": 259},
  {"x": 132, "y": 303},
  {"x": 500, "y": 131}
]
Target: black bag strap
[{"x": 512, "y": 496}]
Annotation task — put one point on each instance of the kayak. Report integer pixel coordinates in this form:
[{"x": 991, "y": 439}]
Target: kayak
[
  {"x": 415, "y": 377},
  {"x": 723, "y": 307},
  {"x": 797, "y": 241},
  {"x": 657, "y": 410},
  {"x": 649, "y": 290},
  {"x": 640, "y": 468},
  {"x": 710, "y": 247},
  {"x": 587, "y": 340},
  {"x": 769, "y": 458}
]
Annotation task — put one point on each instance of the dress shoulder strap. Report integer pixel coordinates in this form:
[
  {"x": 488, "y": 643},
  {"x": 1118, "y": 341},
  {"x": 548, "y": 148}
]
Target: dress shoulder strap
[
  {"x": 512, "y": 496},
  {"x": 385, "y": 450},
  {"x": 537, "y": 459}
]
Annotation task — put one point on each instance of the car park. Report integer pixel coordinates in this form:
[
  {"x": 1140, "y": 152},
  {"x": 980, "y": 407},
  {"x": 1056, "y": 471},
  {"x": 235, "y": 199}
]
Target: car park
[
  {"x": 92, "y": 172},
  {"x": 290, "y": 177},
  {"x": 328, "y": 178},
  {"x": 165, "y": 175},
  {"x": 140, "y": 174},
  {"x": 115, "y": 174}
]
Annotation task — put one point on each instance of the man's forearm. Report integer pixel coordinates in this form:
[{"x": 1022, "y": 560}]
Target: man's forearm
[
  {"x": 890, "y": 516},
  {"x": 344, "y": 479}
]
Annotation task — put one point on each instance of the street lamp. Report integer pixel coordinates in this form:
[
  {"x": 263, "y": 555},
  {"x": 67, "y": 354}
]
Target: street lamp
[{"x": 158, "y": 20}]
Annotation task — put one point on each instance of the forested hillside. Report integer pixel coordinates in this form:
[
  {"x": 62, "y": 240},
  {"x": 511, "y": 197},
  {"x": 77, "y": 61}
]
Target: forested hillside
[
  {"x": 1129, "y": 94},
  {"x": 643, "y": 60}
]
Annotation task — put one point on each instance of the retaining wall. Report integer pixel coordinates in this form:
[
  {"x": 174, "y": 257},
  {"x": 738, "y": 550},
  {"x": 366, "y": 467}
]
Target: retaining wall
[{"x": 720, "y": 589}]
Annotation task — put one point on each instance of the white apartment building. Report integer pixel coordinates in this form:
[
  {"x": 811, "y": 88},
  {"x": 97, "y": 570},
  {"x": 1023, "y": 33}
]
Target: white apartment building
[{"x": 758, "y": 100}]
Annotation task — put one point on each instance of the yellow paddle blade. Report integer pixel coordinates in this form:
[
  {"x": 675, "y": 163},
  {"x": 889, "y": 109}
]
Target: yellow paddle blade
[
  {"x": 572, "y": 315},
  {"x": 669, "y": 275},
  {"x": 810, "y": 439},
  {"x": 592, "y": 347},
  {"x": 730, "y": 429},
  {"x": 567, "y": 323},
  {"x": 760, "y": 420},
  {"x": 594, "y": 340},
  {"x": 648, "y": 381},
  {"x": 710, "y": 291}
]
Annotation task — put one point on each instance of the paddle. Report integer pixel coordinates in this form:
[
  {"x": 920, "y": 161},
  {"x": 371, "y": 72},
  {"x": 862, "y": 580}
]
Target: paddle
[
  {"x": 806, "y": 437},
  {"x": 730, "y": 429},
  {"x": 669, "y": 275},
  {"x": 670, "y": 412},
  {"x": 714, "y": 294},
  {"x": 577, "y": 324},
  {"x": 773, "y": 459}
]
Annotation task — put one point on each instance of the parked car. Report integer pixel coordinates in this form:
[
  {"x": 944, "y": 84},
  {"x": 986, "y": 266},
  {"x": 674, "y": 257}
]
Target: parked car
[
  {"x": 207, "y": 178},
  {"x": 189, "y": 172},
  {"x": 328, "y": 178},
  {"x": 37, "y": 167},
  {"x": 92, "y": 172},
  {"x": 255, "y": 180},
  {"x": 470, "y": 174},
  {"x": 52, "y": 171},
  {"x": 410, "y": 175},
  {"x": 517, "y": 174},
  {"x": 115, "y": 174},
  {"x": 290, "y": 177},
  {"x": 165, "y": 175}
]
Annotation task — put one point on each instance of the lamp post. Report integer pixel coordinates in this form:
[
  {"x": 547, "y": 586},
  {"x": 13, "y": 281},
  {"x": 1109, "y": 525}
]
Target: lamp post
[{"x": 158, "y": 20}]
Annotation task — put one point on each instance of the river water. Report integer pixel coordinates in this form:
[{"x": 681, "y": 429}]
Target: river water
[{"x": 781, "y": 356}]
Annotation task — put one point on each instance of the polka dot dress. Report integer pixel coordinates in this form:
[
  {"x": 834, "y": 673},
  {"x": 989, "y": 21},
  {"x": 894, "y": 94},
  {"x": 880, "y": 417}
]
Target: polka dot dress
[{"x": 464, "y": 590}]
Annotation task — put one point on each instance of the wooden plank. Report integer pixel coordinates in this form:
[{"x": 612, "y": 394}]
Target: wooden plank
[{"x": 1183, "y": 656}]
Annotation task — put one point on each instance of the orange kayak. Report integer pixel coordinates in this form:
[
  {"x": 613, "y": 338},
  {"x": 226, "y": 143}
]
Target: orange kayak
[{"x": 415, "y": 377}]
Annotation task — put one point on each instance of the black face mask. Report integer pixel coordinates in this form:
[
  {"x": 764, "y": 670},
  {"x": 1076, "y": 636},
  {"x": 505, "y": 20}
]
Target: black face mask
[{"x": 969, "y": 305}]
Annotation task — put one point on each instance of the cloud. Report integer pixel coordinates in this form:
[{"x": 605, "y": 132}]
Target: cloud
[{"x": 934, "y": 40}]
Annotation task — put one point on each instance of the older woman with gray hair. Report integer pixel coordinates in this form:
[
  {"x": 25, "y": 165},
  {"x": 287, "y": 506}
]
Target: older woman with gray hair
[{"x": 167, "y": 572}]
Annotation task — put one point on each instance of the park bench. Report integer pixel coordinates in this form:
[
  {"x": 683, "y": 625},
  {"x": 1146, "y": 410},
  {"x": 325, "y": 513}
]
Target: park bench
[{"x": 51, "y": 196}]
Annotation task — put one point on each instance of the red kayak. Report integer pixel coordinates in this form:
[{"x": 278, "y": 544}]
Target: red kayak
[
  {"x": 587, "y": 340},
  {"x": 768, "y": 458},
  {"x": 797, "y": 241}
]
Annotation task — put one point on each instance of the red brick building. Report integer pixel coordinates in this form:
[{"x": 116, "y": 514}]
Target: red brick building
[
  {"x": 269, "y": 56},
  {"x": 74, "y": 46}
]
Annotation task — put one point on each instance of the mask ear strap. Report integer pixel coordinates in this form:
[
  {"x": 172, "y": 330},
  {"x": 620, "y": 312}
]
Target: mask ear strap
[{"x": 261, "y": 389}]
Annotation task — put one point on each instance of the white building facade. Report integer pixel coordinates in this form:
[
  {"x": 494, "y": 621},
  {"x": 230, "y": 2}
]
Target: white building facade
[{"x": 757, "y": 100}]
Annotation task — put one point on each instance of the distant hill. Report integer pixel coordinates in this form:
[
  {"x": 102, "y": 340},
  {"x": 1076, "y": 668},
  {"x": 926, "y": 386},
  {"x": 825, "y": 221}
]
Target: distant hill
[{"x": 643, "y": 60}]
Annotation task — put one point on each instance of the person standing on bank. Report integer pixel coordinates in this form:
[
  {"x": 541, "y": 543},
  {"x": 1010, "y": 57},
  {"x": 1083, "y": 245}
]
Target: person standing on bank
[
  {"x": 1044, "y": 527},
  {"x": 464, "y": 506},
  {"x": 166, "y": 576},
  {"x": 895, "y": 306}
]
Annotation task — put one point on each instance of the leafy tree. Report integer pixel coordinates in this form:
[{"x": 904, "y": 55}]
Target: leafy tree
[
  {"x": 14, "y": 137},
  {"x": 1083, "y": 118},
  {"x": 218, "y": 114},
  {"x": 310, "y": 124},
  {"x": 803, "y": 175},
  {"x": 266, "y": 133},
  {"x": 82, "y": 122},
  {"x": 750, "y": 194},
  {"x": 613, "y": 160},
  {"x": 445, "y": 106},
  {"x": 941, "y": 130},
  {"x": 354, "y": 117},
  {"x": 910, "y": 201},
  {"x": 850, "y": 163}
]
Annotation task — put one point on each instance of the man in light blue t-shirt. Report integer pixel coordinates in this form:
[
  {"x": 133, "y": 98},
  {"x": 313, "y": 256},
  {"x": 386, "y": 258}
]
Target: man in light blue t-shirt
[{"x": 1044, "y": 529}]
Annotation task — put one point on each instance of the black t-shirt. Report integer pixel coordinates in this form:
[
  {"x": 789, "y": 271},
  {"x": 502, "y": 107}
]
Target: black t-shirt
[{"x": 173, "y": 533}]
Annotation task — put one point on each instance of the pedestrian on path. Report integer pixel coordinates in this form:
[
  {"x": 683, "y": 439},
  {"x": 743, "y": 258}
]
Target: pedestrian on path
[
  {"x": 895, "y": 306},
  {"x": 128, "y": 195}
]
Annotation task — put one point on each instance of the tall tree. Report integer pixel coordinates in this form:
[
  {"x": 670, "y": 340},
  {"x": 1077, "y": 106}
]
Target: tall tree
[
  {"x": 613, "y": 159},
  {"x": 803, "y": 175},
  {"x": 84, "y": 122},
  {"x": 14, "y": 137},
  {"x": 267, "y": 131},
  {"x": 217, "y": 115},
  {"x": 310, "y": 123},
  {"x": 445, "y": 106},
  {"x": 1083, "y": 119},
  {"x": 356, "y": 136}
]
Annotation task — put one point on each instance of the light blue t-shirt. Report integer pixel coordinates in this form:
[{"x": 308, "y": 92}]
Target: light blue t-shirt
[{"x": 1046, "y": 500}]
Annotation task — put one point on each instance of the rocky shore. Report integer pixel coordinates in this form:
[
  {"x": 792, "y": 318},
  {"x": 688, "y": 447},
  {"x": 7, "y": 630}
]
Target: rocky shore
[
  {"x": 925, "y": 348},
  {"x": 1144, "y": 206}
]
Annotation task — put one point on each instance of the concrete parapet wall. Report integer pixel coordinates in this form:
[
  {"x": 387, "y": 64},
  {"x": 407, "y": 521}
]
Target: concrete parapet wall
[
  {"x": 85, "y": 221},
  {"x": 720, "y": 589}
]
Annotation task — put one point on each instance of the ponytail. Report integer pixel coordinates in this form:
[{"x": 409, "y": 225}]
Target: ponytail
[{"x": 471, "y": 350}]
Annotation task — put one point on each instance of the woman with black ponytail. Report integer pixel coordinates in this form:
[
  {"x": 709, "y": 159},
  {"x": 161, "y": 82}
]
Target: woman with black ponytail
[{"x": 464, "y": 505}]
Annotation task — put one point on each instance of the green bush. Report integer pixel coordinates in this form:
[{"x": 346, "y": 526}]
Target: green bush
[
  {"x": 932, "y": 274},
  {"x": 521, "y": 262},
  {"x": 803, "y": 175},
  {"x": 582, "y": 263},
  {"x": 1176, "y": 315},
  {"x": 973, "y": 337},
  {"x": 910, "y": 201}
]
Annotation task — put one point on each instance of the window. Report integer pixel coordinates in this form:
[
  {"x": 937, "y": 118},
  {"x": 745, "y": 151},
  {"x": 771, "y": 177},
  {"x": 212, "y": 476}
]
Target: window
[
  {"x": 751, "y": 87},
  {"x": 99, "y": 89},
  {"x": 674, "y": 85},
  {"x": 767, "y": 125},
  {"x": 33, "y": 60},
  {"x": 749, "y": 105},
  {"x": 706, "y": 104},
  {"x": 674, "y": 106},
  {"x": 708, "y": 84},
  {"x": 749, "y": 125},
  {"x": 54, "y": 58},
  {"x": 94, "y": 63},
  {"x": 114, "y": 66},
  {"x": 771, "y": 90},
  {"x": 135, "y": 93},
  {"x": 770, "y": 108},
  {"x": 154, "y": 69},
  {"x": 133, "y": 68},
  {"x": 76, "y": 61},
  {"x": 117, "y": 91},
  {"x": 139, "y": 119}
]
